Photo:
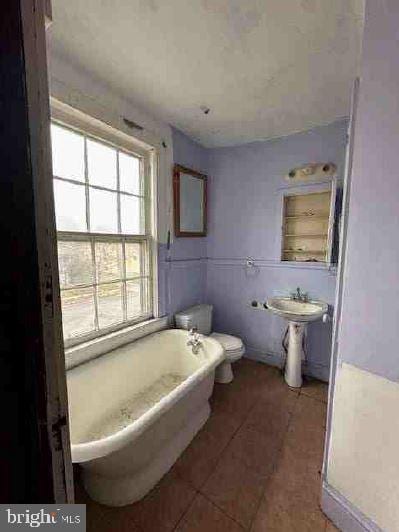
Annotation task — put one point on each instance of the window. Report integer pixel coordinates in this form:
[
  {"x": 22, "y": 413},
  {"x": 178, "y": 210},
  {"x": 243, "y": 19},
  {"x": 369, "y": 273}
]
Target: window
[{"x": 103, "y": 216}]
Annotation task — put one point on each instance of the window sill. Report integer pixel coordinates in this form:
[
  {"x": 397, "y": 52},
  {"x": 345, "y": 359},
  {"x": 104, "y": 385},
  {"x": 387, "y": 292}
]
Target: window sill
[{"x": 79, "y": 354}]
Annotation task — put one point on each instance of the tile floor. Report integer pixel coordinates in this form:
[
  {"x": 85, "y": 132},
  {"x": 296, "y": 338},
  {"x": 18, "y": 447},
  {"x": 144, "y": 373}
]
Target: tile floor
[{"x": 254, "y": 466}]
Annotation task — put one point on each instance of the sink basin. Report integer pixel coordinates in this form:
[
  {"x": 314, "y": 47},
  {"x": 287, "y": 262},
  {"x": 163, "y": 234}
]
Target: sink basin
[{"x": 297, "y": 311}]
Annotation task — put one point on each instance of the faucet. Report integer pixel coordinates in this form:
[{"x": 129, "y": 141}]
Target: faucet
[
  {"x": 194, "y": 340},
  {"x": 298, "y": 295}
]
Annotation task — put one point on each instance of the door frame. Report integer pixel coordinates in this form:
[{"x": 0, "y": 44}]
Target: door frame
[
  {"x": 334, "y": 364},
  {"x": 36, "y": 464}
]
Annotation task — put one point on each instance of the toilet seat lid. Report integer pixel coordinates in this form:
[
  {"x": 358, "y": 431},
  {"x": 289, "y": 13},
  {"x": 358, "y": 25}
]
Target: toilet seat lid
[{"x": 230, "y": 343}]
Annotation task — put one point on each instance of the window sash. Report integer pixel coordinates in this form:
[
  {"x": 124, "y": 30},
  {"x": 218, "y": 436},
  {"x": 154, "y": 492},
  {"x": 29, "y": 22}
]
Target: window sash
[
  {"x": 145, "y": 278},
  {"x": 144, "y": 196},
  {"x": 145, "y": 238},
  {"x": 145, "y": 256}
]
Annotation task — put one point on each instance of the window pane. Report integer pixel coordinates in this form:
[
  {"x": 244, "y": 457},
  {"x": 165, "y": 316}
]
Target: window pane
[
  {"x": 75, "y": 263},
  {"x": 103, "y": 211},
  {"x": 134, "y": 298},
  {"x": 138, "y": 297},
  {"x": 129, "y": 173},
  {"x": 110, "y": 304},
  {"x": 108, "y": 261},
  {"x": 78, "y": 314},
  {"x": 101, "y": 162},
  {"x": 130, "y": 215},
  {"x": 133, "y": 259},
  {"x": 70, "y": 206},
  {"x": 68, "y": 153}
]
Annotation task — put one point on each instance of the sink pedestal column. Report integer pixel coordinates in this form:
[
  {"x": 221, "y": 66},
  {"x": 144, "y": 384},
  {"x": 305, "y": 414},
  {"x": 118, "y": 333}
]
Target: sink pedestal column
[{"x": 293, "y": 366}]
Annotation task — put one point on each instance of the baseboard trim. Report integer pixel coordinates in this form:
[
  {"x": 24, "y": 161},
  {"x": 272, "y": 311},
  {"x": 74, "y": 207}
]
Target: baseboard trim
[
  {"x": 343, "y": 514},
  {"x": 316, "y": 371}
]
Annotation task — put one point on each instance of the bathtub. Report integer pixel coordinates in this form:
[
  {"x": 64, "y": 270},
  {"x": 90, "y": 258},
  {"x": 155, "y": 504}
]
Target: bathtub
[{"x": 134, "y": 410}]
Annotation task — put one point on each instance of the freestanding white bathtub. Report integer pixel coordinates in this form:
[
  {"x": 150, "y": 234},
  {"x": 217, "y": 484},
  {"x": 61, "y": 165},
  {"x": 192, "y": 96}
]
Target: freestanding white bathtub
[{"x": 134, "y": 410}]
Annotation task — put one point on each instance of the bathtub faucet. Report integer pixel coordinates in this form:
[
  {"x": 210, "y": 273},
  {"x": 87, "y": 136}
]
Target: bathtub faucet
[{"x": 194, "y": 340}]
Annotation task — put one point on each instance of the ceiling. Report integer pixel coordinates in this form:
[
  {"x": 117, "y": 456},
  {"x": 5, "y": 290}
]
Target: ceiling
[{"x": 265, "y": 68}]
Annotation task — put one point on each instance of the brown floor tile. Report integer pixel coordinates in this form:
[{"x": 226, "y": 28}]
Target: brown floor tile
[
  {"x": 300, "y": 460},
  {"x": 251, "y": 379},
  {"x": 203, "y": 516},
  {"x": 98, "y": 517},
  {"x": 81, "y": 496},
  {"x": 235, "y": 399},
  {"x": 311, "y": 411},
  {"x": 101, "y": 518},
  {"x": 200, "y": 458},
  {"x": 294, "y": 473},
  {"x": 330, "y": 527},
  {"x": 256, "y": 450},
  {"x": 307, "y": 429},
  {"x": 315, "y": 389},
  {"x": 259, "y": 453},
  {"x": 294, "y": 489},
  {"x": 260, "y": 378},
  {"x": 159, "y": 511},
  {"x": 247, "y": 369},
  {"x": 163, "y": 507},
  {"x": 281, "y": 511},
  {"x": 291, "y": 498},
  {"x": 271, "y": 414},
  {"x": 235, "y": 489}
]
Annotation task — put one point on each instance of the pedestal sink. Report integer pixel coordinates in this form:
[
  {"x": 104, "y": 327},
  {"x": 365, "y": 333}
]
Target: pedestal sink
[{"x": 298, "y": 313}]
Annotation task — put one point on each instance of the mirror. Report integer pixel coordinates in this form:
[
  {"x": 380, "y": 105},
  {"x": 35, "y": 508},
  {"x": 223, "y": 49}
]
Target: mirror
[{"x": 189, "y": 191}]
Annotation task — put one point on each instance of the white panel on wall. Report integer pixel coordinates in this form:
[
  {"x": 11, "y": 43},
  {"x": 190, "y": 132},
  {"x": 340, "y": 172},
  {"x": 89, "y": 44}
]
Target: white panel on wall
[{"x": 363, "y": 461}]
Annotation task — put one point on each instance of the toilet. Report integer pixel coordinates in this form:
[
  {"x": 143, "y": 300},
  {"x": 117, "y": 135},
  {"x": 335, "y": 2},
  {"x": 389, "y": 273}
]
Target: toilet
[{"x": 200, "y": 316}]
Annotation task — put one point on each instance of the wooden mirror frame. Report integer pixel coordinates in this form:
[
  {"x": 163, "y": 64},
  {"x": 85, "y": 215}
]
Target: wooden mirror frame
[{"x": 177, "y": 170}]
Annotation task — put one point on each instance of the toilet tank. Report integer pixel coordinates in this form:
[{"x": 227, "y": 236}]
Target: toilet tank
[{"x": 199, "y": 316}]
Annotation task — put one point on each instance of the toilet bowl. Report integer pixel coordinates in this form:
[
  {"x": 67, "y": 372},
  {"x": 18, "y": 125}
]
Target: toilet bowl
[
  {"x": 234, "y": 350},
  {"x": 200, "y": 316}
]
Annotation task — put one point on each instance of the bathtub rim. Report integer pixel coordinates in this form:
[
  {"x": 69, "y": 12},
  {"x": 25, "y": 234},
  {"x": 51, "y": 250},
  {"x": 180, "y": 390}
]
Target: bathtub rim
[{"x": 87, "y": 451}]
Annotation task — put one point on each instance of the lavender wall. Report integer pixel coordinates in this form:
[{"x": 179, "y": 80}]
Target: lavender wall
[
  {"x": 183, "y": 268},
  {"x": 244, "y": 220},
  {"x": 245, "y": 187},
  {"x": 370, "y": 308}
]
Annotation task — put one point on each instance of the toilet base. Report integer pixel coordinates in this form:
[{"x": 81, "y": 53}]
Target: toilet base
[{"x": 224, "y": 373}]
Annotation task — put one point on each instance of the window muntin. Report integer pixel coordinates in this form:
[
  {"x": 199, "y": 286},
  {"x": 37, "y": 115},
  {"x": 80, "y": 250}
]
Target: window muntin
[{"x": 104, "y": 235}]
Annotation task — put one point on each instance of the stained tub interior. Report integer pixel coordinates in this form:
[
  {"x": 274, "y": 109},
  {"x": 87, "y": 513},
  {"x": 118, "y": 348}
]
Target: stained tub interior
[
  {"x": 111, "y": 392},
  {"x": 133, "y": 409}
]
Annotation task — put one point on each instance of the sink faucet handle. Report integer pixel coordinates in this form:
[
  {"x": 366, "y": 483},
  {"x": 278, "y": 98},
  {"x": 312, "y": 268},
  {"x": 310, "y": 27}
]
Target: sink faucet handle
[{"x": 298, "y": 295}]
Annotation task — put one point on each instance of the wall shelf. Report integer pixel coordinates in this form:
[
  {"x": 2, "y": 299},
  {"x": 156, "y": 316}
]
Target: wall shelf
[
  {"x": 308, "y": 251},
  {"x": 307, "y": 224},
  {"x": 305, "y": 235},
  {"x": 308, "y": 217}
]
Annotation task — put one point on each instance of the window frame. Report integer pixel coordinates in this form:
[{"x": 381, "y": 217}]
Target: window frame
[{"x": 91, "y": 128}]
